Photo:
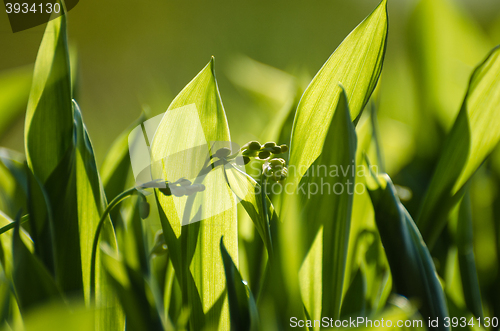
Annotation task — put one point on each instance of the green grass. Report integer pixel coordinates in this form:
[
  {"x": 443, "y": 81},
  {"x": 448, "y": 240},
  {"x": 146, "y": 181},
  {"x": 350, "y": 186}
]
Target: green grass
[{"x": 83, "y": 248}]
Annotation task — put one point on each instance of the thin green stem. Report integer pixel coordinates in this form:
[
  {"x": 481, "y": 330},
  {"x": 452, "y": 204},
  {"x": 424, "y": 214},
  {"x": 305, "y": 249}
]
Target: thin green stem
[
  {"x": 13, "y": 224},
  {"x": 122, "y": 196},
  {"x": 265, "y": 210}
]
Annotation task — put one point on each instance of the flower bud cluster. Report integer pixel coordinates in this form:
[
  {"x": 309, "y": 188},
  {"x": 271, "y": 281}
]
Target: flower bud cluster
[
  {"x": 275, "y": 169},
  {"x": 263, "y": 152}
]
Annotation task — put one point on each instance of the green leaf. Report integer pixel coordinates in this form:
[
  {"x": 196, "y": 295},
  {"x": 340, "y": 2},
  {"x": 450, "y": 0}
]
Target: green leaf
[
  {"x": 75, "y": 186},
  {"x": 196, "y": 118},
  {"x": 91, "y": 201},
  {"x": 49, "y": 150},
  {"x": 473, "y": 137},
  {"x": 413, "y": 272},
  {"x": 356, "y": 64},
  {"x": 133, "y": 292},
  {"x": 13, "y": 183},
  {"x": 466, "y": 260},
  {"x": 61, "y": 157},
  {"x": 41, "y": 223},
  {"x": 329, "y": 215},
  {"x": 354, "y": 303},
  {"x": 14, "y": 91},
  {"x": 33, "y": 283},
  {"x": 242, "y": 309},
  {"x": 49, "y": 117}
]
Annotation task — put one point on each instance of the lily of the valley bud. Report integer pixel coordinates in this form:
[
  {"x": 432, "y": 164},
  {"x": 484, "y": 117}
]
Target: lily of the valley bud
[
  {"x": 263, "y": 152},
  {"x": 144, "y": 208},
  {"x": 264, "y": 155},
  {"x": 252, "y": 145},
  {"x": 275, "y": 169}
]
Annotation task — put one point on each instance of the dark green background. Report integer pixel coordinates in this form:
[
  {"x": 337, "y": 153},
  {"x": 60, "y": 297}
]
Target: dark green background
[{"x": 132, "y": 53}]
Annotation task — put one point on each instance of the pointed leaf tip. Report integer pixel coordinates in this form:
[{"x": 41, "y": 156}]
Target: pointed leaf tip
[{"x": 357, "y": 63}]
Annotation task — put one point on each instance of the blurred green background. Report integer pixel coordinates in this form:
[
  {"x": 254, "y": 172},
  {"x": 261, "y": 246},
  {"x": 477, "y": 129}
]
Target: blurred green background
[{"x": 132, "y": 55}]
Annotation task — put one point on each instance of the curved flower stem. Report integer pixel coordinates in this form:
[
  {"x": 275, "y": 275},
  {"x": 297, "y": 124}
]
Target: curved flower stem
[
  {"x": 265, "y": 210},
  {"x": 119, "y": 198}
]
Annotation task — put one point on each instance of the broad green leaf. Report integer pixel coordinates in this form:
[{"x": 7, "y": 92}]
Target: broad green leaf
[
  {"x": 412, "y": 268},
  {"x": 466, "y": 260},
  {"x": 49, "y": 149},
  {"x": 356, "y": 64},
  {"x": 196, "y": 118},
  {"x": 242, "y": 307},
  {"x": 49, "y": 117},
  {"x": 14, "y": 91},
  {"x": 329, "y": 216},
  {"x": 473, "y": 137}
]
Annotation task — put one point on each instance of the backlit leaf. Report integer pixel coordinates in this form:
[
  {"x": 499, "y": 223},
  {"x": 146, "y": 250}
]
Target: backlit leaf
[
  {"x": 329, "y": 215},
  {"x": 356, "y": 64},
  {"x": 196, "y": 118}
]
